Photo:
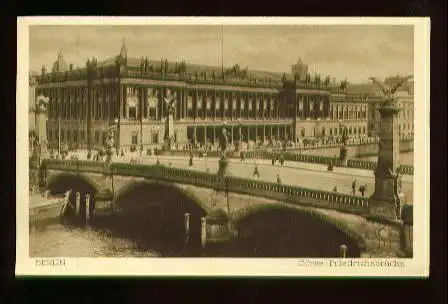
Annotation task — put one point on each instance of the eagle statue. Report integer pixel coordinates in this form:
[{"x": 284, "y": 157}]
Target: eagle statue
[{"x": 389, "y": 91}]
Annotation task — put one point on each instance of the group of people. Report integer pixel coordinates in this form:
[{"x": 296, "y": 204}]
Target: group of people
[
  {"x": 280, "y": 158},
  {"x": 362, "y": 188}
]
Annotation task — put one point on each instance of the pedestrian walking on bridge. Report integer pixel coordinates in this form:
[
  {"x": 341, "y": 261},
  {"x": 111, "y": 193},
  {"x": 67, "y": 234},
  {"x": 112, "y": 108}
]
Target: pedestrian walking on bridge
[
  {"x": 354, "y": 187},
  {"x": 256, "y": 171},
  {"x": 190, "y": 163},
  {"x": 362, "y": 189}
]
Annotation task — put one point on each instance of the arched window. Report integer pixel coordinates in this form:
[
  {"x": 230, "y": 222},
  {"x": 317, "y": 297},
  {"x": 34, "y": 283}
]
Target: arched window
[
  {"x": 323, "y": 131},
  {"x": 302, "y": 132}
]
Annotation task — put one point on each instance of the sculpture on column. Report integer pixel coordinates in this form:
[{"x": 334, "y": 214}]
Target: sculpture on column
[
  {"x": 223, "y": 141},
  {"x": 223, "y": 162},
  {"x": 239, "y": 138},
  {"x": 170, "y": 100},
  {"x": 110, "y": 145},
  {"x": 343, "y": 149},
  {"x": 40, "y": 144},
  {"x": 387, "y": 199}
]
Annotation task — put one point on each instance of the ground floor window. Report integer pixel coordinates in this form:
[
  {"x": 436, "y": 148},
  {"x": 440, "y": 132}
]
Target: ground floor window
[
  {"x": 83, "y": 135},
  {"x": 97, "y": 136},
  {"x": 104, "y": 137},
  {"x": 134, "y": 139},
  {"x": 155, "y": 138},
  {"x": 75, "y": 136}
]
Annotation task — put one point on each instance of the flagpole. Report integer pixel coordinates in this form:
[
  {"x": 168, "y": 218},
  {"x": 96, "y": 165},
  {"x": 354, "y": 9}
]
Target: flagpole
[
  {"x": 59, "y": 126},
  {"x": 222, "y": 51}
]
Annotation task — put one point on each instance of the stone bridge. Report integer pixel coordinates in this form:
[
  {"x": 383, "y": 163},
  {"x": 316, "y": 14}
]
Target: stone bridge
[{"x": 228, "y": 207}]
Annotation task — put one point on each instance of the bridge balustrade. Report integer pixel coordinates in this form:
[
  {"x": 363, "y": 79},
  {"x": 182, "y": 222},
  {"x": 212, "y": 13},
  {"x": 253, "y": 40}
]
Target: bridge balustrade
[{"x": 245, "y": 186}]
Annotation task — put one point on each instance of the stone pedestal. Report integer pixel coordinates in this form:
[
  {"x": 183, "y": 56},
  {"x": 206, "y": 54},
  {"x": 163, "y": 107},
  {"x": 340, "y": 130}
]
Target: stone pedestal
[
  {"x": 223, "y": 169},
  {"x": 238, "y": 145},
  {"x": 169, "y": 132},
  {"x": 343, "y": 152},
  {"x": 387, "y": 198}
]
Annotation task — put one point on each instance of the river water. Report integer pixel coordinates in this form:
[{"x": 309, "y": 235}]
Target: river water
[{"x": 406, "y": 158}]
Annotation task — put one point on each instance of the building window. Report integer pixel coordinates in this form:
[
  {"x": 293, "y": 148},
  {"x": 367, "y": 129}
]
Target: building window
[
  {"x": 83, "y": 135},
  {"x": 97, "y": 136},
  {"x": 62, "y": 135},
  {"x": 134, "y": 138},
  {"x": 323, "y": 131},
  {"x": 132, "y": 112},
  {"x": 302, "y": 132},
  {"x": 68, "y": 135},
  {"x": 155, "y": 138},
  {"x": 364, "y": 130},
  {"x": 104, "y": 137},
  {"x": 75, "y": 136},
  {"x": 331, "y": 131}
]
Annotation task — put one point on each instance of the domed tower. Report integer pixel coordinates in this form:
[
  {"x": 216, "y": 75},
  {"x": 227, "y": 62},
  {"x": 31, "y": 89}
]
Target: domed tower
[
  {"x": 123, "y": 56},
  {"x": 60, "y": 65}
]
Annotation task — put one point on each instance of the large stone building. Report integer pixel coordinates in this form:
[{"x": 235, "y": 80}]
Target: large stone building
[
  {"x": 373, "y": 97},
  {"x": 129, "y": 93}
]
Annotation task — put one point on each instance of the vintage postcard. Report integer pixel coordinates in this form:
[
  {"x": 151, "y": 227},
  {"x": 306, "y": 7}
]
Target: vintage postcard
[{"x": 223, "y": 146}]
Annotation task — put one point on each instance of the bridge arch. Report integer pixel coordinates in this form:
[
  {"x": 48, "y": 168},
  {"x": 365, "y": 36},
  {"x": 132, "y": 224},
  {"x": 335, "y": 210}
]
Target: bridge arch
[
  {"x": 59, "y": 183},
  {"x": 155, "y": 211},
  {"x": 306, "y": 232}
]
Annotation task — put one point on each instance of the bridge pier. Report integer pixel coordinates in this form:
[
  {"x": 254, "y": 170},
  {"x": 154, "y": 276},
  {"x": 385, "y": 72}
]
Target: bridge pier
[
  {"x": 187, "y": 227},
  {"x": 87, "y": 219},
  {"x": 78, "y": 203},
  {"x": 203, "y": 232}
]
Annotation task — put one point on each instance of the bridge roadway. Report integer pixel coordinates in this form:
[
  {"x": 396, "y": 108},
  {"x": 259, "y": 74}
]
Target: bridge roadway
[{"x": 308, "y": 175}]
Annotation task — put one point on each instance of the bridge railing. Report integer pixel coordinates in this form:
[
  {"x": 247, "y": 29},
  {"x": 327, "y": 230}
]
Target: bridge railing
[
  {"x": 291, "y": 194},
  {"x": 76, "y": 165}
]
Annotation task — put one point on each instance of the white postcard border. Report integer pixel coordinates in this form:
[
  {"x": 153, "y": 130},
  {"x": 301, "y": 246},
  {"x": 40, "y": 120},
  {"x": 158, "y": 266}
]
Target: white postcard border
[{"x": 417, "y": 266}]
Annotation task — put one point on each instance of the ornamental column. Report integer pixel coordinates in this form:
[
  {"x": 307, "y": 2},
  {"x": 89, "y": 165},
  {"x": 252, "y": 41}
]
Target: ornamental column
[{"x": 388, "y": 198}]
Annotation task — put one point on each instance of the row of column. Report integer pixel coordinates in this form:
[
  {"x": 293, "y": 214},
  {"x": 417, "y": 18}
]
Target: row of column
[
  {"x": 193, "y": 105},
  {"x": 344, "y": 112},
  {"x": 249, "y": 133},
  {"x": 69, "y": 103}
]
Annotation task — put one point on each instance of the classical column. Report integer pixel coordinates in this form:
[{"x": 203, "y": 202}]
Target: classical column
[
  {"x": 270, "y": 132},
  {"x": 264, "y": 133},
  {"x": 256, "y": 133},
  {"x": 161, "y": 102},
  {"x": 388, "y": 198},
  {"x": 214, "y": 134},
  {"x": 278, "y": 132}
]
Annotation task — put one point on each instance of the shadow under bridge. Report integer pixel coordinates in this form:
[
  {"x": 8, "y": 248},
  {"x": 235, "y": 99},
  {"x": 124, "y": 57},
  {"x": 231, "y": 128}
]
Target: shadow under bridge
[
  {"x": 59, "y": 184},
  {"x": 282, "y": 231},
  {"x": 152, "y": 214}
]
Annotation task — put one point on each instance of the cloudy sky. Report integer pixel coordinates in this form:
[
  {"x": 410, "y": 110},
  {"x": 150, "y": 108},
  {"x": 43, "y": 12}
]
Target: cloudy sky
[{"x": 353, "y": 52}]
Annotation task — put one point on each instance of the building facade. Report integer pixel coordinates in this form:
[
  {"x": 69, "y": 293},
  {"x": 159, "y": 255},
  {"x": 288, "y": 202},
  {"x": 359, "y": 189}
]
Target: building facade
[
  {"x": 373, "y": 97},
  {"x": 130, "y": 94}
]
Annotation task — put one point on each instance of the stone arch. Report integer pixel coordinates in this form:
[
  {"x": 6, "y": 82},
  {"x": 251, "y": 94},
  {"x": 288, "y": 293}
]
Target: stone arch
[
  {"x": 157, "y": 210},
  {"x": 159, "y": 187},
  {"x": 356, "y": 240},
  {"x": 59, "y": 183}
]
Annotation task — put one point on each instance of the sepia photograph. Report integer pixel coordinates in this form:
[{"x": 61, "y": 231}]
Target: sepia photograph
[{"x": 227, "y": 142}]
